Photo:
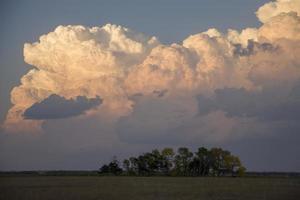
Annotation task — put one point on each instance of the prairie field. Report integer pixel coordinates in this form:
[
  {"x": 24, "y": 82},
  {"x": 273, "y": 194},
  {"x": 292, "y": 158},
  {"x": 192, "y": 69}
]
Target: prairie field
[{"x": 146, "y": 188}]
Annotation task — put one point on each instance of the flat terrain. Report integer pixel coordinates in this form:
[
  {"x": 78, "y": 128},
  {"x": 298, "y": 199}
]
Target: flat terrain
[{"x": 145, "y": 188}]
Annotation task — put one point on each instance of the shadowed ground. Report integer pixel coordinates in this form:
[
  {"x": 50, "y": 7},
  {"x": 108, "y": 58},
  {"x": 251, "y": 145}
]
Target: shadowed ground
[{"x": 146, "y": 188}]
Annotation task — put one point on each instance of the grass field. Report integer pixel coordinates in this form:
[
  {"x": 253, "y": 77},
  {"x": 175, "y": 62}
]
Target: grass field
[{"x": 145, "y": 188}]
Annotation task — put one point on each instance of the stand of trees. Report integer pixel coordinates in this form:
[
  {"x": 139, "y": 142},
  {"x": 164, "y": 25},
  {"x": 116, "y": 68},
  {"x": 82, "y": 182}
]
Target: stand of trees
[{"x": 203, "y": 162}]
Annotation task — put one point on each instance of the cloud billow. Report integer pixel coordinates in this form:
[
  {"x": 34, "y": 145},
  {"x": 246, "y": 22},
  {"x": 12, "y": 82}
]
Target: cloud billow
[
  {"x": 208, "y": 80},
  {"x": 57, "y": 107}
]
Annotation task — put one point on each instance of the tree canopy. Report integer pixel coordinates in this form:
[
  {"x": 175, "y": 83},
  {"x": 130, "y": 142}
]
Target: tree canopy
[{"x": 203, "y": 162}]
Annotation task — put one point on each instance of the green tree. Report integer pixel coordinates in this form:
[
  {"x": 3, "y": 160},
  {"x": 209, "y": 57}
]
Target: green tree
[
  {"x": 126, "y": 166},
  {"x": 241, "y": 171},
  {"x": 112, "y": 168},
  {"x": 167, "y": 160},
  {"x": 203, "y": 161},
  {"x": 182, "y": 160},
  {"x": 104, "y": 169},
  {"x": 133, "y": 166},
  {"x": 215, "y": 162},
  {"x": 234, "y": 165}
]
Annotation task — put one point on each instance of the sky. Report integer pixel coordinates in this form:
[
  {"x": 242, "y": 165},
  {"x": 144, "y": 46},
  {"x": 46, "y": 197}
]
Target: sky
[{"x": 83, "y": 81}]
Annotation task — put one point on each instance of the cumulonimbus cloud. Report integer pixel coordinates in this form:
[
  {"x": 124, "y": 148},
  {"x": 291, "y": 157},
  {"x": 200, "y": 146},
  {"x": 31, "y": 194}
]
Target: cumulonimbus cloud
[{"x": 117, "y": 63}]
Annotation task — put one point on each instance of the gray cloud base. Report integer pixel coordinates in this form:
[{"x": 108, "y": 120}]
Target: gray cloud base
[
  {"x": 264, "y": 105},
  {"x": 57, "y": 107}
]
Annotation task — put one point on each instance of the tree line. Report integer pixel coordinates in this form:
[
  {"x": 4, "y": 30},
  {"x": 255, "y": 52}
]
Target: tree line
[{"x": 203, "y": 162}]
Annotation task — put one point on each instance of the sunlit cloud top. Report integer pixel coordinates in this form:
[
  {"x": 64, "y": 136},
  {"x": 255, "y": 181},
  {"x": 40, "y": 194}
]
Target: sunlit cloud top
[{"x": 147, "y": 85}]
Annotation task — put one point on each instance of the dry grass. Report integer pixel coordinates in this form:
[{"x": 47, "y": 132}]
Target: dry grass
[{"x": 146, "y": 188}]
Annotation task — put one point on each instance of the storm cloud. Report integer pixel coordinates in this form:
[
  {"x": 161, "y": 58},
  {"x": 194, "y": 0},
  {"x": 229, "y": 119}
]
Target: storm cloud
[
  {"x": 262, "y": 105},
  {"x": 56, "y": 107},
  {"x": 212, "y": 87}
]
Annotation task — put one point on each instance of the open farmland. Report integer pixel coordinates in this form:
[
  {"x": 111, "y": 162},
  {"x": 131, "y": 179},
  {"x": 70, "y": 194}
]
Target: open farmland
[{"x": 146, "y": 188}]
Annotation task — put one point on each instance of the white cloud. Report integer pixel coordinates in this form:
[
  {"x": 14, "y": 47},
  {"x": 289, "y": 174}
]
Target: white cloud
[
  {"x": 274, "y": 8},
  {"x": 282, "y": 26},
  {"x": 117, "y": 63}
]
